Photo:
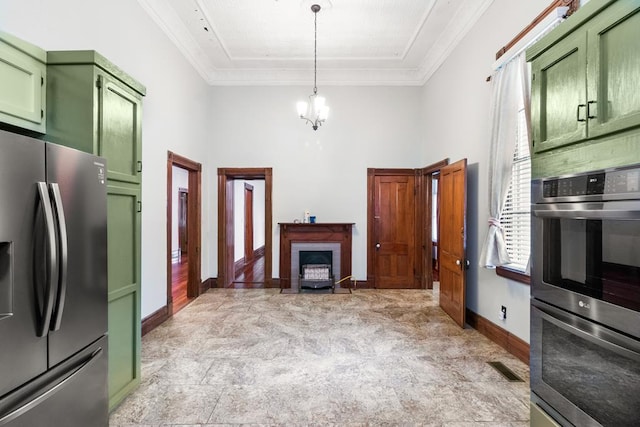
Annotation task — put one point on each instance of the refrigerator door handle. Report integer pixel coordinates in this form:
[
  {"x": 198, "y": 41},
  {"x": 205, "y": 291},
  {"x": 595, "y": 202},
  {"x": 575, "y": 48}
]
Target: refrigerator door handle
[
  {"x": 52, "y": 260},
  {"x": 63, "y": 249},
  {"x": 33, "y": 402}
]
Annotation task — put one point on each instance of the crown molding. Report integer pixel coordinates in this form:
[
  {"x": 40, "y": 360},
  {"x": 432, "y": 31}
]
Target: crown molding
[{"x": 170, "y": 23}]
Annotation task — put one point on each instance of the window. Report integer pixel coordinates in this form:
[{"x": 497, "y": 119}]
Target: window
[{"x": 515, "y": 218}]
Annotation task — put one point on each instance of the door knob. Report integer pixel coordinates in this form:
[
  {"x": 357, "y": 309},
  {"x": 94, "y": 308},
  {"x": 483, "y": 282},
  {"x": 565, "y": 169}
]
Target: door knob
[
  {"x": 457, "y": 262},
  {"x": 377, "y": 246}
]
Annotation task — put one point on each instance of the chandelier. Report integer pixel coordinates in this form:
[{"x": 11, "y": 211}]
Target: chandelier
[{"x": 315, "y": 111}]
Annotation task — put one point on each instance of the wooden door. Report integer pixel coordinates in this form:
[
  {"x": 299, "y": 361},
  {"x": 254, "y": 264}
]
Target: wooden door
[
  {"x": 248, "y": 222},
  {"x": 394, "y": 231},
  {"x": 183, "y": 215},
  {"x": 452, "y": 239}
]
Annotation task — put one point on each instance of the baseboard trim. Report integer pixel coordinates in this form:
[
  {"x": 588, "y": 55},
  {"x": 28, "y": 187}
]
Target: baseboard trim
[
  {"x": 239, "y": 264},
  {"x": 359, "y": 284},
  {"x": 154, "y": 320},
  {"x": 500, "y": 336},
  {"x": 207, "y": 284},
  {"x": 259, "y": 252}
]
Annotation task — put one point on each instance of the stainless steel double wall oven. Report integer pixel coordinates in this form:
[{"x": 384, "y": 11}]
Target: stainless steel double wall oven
[{"x": 585, "y": 313}]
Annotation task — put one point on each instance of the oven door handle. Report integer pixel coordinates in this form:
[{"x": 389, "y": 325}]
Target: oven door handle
[
  {"x": 593, "y": 332},
  {"x": 620, "y": 212}
]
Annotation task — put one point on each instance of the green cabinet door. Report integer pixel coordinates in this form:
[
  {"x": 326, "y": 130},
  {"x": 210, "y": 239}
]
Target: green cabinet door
[
  {"x": 95, "y": 107},
  {"x": 614, "y": 69},
  {"x": 22, "y": 80},
  {"x": 558, "y": 94},
  {"x": 123, "y": 241},
  {"x": 120, "y": 132}
]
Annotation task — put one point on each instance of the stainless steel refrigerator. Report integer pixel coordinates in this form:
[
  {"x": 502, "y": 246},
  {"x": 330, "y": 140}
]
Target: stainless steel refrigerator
[{"x": 53, "y": 285}]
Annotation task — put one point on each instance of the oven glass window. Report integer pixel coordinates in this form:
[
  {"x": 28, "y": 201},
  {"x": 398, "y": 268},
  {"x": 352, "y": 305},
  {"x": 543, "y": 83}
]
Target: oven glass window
[
  {"x": 598, "y": 258},
  {"x": 602, "y": 383}
]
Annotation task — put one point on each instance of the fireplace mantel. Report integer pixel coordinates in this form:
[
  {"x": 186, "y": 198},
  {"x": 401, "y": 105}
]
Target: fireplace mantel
[{"x": 318, "y": 232}]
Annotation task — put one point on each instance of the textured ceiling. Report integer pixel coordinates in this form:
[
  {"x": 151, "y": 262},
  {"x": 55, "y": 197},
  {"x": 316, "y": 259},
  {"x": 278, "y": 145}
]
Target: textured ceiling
[{"x": 362, "y": 42}]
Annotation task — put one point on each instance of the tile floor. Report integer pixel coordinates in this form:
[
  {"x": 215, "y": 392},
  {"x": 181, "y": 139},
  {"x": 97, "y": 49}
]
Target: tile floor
[{"x": 373, "y": 357}]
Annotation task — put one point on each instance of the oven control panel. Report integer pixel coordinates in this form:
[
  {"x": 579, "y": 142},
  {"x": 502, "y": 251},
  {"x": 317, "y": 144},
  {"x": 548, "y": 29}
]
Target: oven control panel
[{"x": 622, "y": 181}]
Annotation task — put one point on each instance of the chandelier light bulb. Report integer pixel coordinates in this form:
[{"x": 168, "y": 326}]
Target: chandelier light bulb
[{"x": 302, "y": 108}]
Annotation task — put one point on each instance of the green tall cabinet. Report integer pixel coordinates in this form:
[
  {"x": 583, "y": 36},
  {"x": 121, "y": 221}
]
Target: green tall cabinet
[{"x": 95, "y": 107}]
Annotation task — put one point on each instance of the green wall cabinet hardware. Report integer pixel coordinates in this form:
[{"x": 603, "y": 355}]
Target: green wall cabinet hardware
[
  {"x": 585, "y": 106},
  {"x": 22, "y": 81},
  {"x": 95, "y": 107}
]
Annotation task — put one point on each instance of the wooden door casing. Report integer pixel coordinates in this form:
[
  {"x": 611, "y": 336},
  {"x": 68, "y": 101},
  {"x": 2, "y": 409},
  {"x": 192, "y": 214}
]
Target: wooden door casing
[
  {"x": 226, "y": 177},
  {"x": 394, "y": 243},
  {"x": 452, "y": 238},
  {"x": 193, "y": 223}
]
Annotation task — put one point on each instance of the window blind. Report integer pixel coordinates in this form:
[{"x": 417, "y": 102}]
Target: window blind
[{"x": 516, "y": 219}]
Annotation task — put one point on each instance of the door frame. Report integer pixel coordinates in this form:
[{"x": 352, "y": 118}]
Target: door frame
[
  {"x": 426, "y": 176},
  {"x": 226, "y": 177},
  {"x": 194, "y": 203}
]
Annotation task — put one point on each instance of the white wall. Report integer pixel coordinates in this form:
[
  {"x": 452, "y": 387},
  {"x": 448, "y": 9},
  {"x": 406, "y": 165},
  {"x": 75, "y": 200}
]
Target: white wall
[
  {"x": 323, "y": 171},
  {"x": 180, "y": 180},
  {"x": 258, "y": 215},
  {"x": 175, "y": 110},
  {"x": 455, "y": 124}
]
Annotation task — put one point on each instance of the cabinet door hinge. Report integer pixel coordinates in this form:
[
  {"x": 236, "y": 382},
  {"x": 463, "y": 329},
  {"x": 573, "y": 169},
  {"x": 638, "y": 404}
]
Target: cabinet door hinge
[
  {"x": 99, "y": 82},
  {"x": 42, "y": 114},
  {"x": 139, "y": 206},
  {"x": 139, "y": 170},
  {"x": 533, "y": 76},
  {"x": 41, "y": 81}
]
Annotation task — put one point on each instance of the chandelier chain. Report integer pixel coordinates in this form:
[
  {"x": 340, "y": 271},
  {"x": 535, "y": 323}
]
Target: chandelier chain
[{"x": 315, "y": 52}]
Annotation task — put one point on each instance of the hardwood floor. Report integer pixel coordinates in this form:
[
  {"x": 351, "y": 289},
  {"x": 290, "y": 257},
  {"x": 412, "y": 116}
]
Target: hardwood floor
[
  {"x": 251, "y": 276},
  {"x": 179, "y": 278}
]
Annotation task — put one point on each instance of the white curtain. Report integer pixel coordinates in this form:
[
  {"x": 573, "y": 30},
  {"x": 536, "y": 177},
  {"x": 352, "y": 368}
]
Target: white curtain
[{"x": 509, "y": 85}]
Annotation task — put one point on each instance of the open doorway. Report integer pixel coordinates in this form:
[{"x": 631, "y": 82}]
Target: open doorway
[
  {"x": 229, "y": 238},
  {"x": 435, "y": 221},
  {"x": 430, "y": 176},
  {"x": 249, "y": 232},
  {"x": 183, "y": 231}
]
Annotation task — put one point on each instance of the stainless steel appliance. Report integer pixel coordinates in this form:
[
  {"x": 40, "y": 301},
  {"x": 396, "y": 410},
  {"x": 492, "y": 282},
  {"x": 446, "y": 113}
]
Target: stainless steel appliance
[
  {"x": 585, "y": 314},
  {"x": 53, "y": 285}
]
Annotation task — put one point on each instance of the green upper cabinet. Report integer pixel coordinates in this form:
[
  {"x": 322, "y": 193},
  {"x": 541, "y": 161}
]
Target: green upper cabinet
[
  {"x": 585, "y": 75},
  {"x": 119, "y": 133},
  {"x": 558, "y": 94},
  {"x": 613, "y": 69},
  {"x": 22, "y": 81},
  {"x": 96, "y": 107}
]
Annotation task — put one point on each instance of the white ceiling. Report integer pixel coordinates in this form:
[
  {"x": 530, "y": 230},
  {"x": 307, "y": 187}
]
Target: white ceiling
[{"x": 360, "y": 42}]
